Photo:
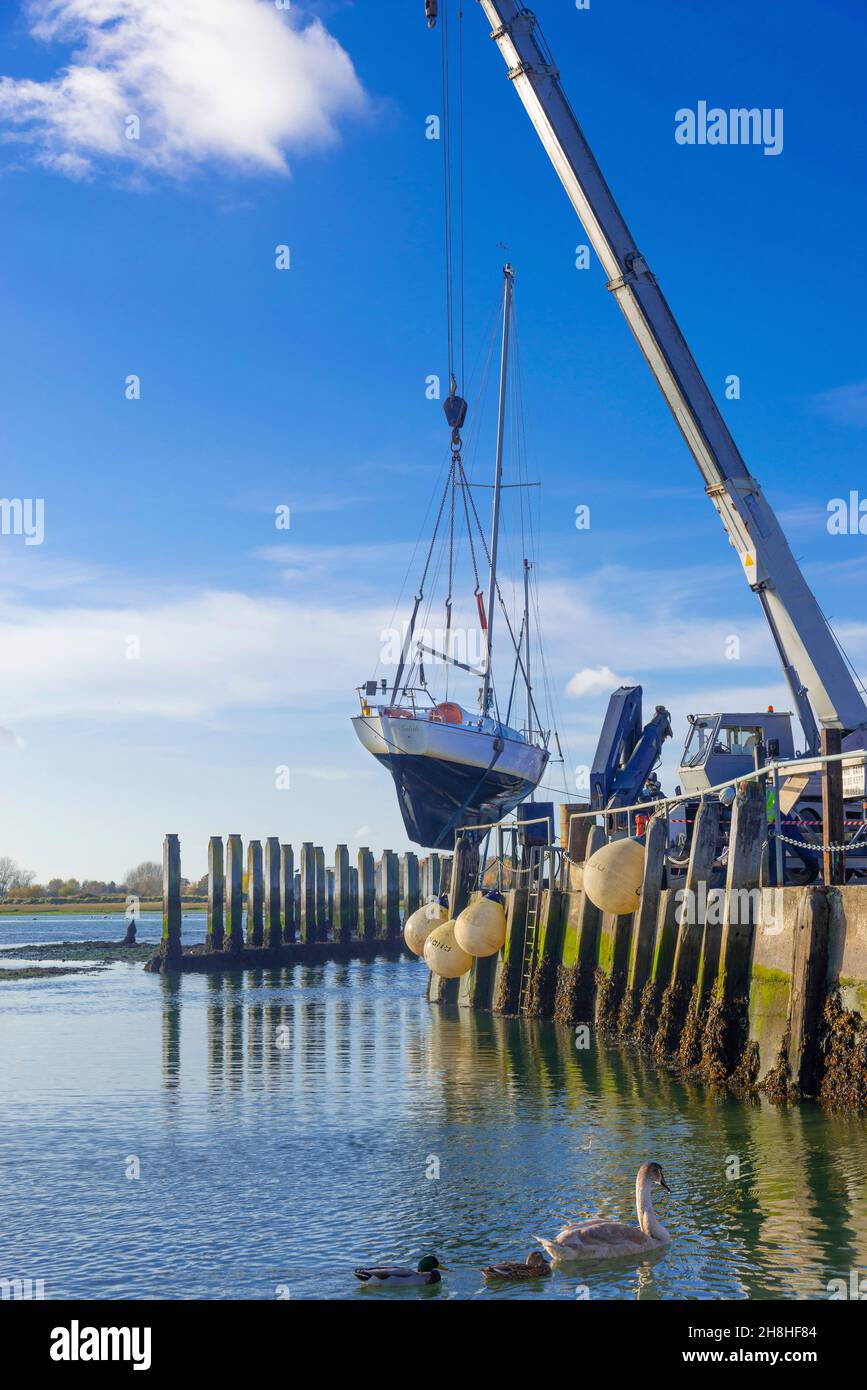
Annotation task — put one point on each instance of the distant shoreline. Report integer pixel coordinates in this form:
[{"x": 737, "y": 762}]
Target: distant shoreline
[{"x": 96, "y": 909}]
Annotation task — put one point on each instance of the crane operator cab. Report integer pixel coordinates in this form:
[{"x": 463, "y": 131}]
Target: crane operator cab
[{"x": 722, "y": 746}]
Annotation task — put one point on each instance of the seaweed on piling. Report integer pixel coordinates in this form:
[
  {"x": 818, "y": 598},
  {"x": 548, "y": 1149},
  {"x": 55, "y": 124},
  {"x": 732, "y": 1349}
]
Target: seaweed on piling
[
  {"x": 506, "y": 1000},
  {"x": 689, "y": 1050},
  {"x": 843, "y": 1052},
  {"x": 725, "y": 1038},
  {"x": 672, "y": 1011},
  {"x": 608, "y": 989},
  {"x": 645, "y": 1028},
  {"x": 540, "y": 1002}
]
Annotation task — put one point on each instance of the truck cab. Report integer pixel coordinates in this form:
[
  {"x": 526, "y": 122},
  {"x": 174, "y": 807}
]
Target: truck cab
[{"x": 722, "y": 746}]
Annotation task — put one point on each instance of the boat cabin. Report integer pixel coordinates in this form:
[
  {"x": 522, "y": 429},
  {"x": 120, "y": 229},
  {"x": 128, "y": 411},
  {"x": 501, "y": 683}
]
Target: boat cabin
[{"x": 722, "y": 746}]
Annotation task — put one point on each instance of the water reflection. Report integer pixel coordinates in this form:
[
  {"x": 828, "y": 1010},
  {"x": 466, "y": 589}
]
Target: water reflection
[{"x": 295, "y": 1122}]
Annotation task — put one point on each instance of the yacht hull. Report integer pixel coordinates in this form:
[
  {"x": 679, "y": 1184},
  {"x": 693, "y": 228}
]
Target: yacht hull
[{"x": 448, "y": 776}]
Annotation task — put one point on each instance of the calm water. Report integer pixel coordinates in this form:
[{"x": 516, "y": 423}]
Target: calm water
[{"x": 285, "y": 1123}]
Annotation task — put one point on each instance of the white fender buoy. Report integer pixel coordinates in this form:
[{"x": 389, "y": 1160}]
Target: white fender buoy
[
  {"x": 423, "y": 921},
  {"x": 443, "y": 954},
  {"x": 480, "y": 930},
  {"x": 613, "y": 876}
]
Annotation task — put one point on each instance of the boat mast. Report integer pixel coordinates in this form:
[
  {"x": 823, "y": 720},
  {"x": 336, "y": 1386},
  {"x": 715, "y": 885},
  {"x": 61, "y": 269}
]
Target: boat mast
[
  {"x": 509, "y": 279},
  {"x": 527, "y": 568}
]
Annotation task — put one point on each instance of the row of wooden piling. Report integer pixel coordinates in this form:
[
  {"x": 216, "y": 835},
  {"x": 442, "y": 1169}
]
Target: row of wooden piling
[
  {"x": 313, "y": 903},
  {"x": 721, "y": 993}
]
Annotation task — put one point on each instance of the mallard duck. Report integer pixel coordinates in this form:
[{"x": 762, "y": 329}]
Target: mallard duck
[
  {"x": 536, "y": 1267},
  {"x": 399, "y": 1276},
  {"x": 600, "y": 1240}
]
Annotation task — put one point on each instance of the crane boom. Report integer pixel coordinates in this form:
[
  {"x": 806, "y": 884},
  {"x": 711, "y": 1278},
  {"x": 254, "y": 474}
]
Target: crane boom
[{"x": 816, "y": 671}]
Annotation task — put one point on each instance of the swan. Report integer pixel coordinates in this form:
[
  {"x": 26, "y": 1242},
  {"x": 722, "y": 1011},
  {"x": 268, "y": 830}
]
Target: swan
[{"x": 600, "y": 1240}]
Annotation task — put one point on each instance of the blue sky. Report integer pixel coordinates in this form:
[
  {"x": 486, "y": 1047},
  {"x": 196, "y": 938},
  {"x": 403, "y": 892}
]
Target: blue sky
[{"x": 306, "y": 388}]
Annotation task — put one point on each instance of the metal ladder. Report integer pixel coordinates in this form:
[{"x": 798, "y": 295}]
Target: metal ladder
[{"x": 534, "y": 899}]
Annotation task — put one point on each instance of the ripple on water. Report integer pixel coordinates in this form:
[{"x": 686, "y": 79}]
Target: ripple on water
[{"x": 291, "y": 1124}]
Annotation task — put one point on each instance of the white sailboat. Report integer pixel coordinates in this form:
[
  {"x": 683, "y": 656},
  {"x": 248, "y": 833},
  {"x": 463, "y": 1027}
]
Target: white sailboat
[{"x": 454, "y": 767}]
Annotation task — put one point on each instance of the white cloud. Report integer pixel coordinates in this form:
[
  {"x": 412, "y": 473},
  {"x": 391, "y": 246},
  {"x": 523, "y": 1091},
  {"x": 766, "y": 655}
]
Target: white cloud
[
  {"x": 596, "y": 680},
  {"x": 199, "y": 656},
  {"x": 236, "y": 81},
  {"x": 847, "y": 405}
]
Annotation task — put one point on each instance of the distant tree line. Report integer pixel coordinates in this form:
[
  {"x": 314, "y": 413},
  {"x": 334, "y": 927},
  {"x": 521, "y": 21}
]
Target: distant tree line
[{"x": 145, "y": 881}]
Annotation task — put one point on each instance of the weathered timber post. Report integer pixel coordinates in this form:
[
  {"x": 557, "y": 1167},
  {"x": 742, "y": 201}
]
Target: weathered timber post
[
  {"x": 171, "y": 949},
  {"x": 353, "y": 899},
  {"x": 329, "y": 899},
  {"x": 612, "y": 966},
  {"x": 691, "y": 926},
  {"x": 645, "y": 918},
  {"x": 465, "y": 870},
  {"x": 216, "y": 895},
  {"x": 409, "y": 883},
  {"x": 573, "y": 836},
  {"x": 391, "y": 889},
  {"x": 234, "y": 893},
  {"x": 321, "y": 882},
  {"x": 366, "y": 895},
  {"x": 308, "y": 892},
  {"x": 507, "y": 972},
  {"x": 342, "y": 894},
  {"x": 273, "y": 915},
  {"x": 574, "y": 1002},
  {"x": 807, "y": 993},
  {"x": 834, "y": 860},
  {"x": 435, "y": 864},
  {"x": 543, "y": 983},
  {"x": 287, "y": 892},
  {"x": 727, "y": 1029},
  {"x": 255, "y": 894}
]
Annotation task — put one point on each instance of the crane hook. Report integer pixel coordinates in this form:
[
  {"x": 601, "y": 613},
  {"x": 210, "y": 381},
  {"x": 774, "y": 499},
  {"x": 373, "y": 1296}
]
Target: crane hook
[{"x": 430, "y": 10}]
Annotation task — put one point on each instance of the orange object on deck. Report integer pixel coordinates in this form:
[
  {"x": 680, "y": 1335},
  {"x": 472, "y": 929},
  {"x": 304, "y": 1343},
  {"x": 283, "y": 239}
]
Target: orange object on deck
[{"x": 448, "y": 714}]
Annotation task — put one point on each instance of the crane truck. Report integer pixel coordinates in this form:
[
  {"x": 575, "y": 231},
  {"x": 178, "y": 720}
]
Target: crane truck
[{"x": 826, "y": 695}]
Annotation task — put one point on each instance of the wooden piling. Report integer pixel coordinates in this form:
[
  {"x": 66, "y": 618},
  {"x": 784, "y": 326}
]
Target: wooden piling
[
  {"x": 288, "y": 910},
  {"x": 807, "y": 993},
  {"x": 690, "y": 932},
  {"x": 646, "y": 915},
  {"x": 273, "y": 913},
  {"x": 321, "y": 892},
  {"x": 343, "y": 917},
  {"x": 726, "y": 1031},
  {"x": 353, "y": 899},
  {"x": 409, "y": 883},
  {"x": 543, "y": 981},
  {"x": 507, "y": 974},
  {"x": 391, "y": 894},
  {"x": 576, "y": 983},
  {"x": 171, "y": 949},
  {"x": 307, "y": 922},
  {"x": 329, "y": 901},
  {"x": 574, "y": 833},
  {"x": 255, "y": 895},
  {"x": 366, "y": 894},
  {"x": 234, "y": 893},
  {"x": 216, "y": 895}
]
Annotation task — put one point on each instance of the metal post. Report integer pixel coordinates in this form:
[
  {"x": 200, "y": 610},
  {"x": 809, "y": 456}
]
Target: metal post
[
  {"x": 778, "y": 831},
  {"x": 834, "y": 860}
]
